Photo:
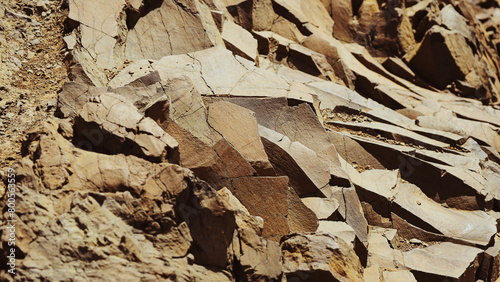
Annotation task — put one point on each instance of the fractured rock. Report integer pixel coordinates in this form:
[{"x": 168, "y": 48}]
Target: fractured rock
[
  {"x": 265, "y": 197},
  {"x": 319, "y": 257},
  {"x": 443, "y": 261},
  {"x": 241, "y": 131},
  {"x": 240, "y": 41},
  {"x": 296, "y": 161},
  {"x": 324, "y": 208},
  {"x": 101, "y": 125}
]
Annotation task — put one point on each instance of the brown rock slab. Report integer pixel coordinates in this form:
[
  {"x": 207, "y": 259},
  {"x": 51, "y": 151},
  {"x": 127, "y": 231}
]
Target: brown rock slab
[
  {"x": 239, "y": 40},
  {"x": 324, "y": 208},
  {"x": 300, "y": 217},
  {"x": 241, "y": 132},
  {"x": 265, "y": 197},
  {"x": 176, "y": 30},
  {"x": 296, "y": 161},
  {"x": 443, "y": 261}
]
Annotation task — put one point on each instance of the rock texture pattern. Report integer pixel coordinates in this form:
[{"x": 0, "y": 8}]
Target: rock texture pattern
[{"x": 261, "y": 140}]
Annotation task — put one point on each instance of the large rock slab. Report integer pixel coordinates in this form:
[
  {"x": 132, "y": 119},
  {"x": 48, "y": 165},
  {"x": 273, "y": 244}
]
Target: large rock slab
[
  {"x": 443, "y": 261},
  {"x": 240, "y": 41},
  {"x": 176, "y": 28},
  {"x": 265, "y": 197},
  {"x": 241, "y": 132},
  {"x": 296, "y": 161}
]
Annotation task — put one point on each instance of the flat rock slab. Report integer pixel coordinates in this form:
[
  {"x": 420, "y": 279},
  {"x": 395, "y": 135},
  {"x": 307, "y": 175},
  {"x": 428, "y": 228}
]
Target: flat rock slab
[
  {"x": 239, "y": 40},
  {"x": 392, "y": 132},
  {"x": 238, "y": 126},
  {"x": 443, "y": 261},
  {"x": 304, "y": 159},
  {"x": 324, "y": 208},
  {"x": 267, "y": 198}
]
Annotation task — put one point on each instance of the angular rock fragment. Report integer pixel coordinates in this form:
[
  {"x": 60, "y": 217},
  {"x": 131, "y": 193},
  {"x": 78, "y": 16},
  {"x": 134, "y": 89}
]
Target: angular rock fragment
[
  {"x": 300, "y": 218},
  {"x": 265, "y": 197},
  {"x": 240, "y": 41},
  {"x": 324, "y": 208},
  {"x": 319, "y": 257},
  {"x": 241, "y": 132},
  {"x": 443, "y": 261},
  {"x": 298, "y": 123},
  {"x": 101, "y": 125},
  {"x": 351, "y": 211},
  {"x": 307, "y": 172}
]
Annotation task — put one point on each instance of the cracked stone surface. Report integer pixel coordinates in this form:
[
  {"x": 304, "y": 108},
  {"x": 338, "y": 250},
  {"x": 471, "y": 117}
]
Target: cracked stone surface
[{"x": 250, "y": 140}]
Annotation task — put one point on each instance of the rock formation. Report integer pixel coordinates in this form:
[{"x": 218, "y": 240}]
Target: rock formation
[{"x": 262, "y": 140}]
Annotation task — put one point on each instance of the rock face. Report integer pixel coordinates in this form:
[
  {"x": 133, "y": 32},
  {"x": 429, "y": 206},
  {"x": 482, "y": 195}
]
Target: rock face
[{"x": 260, "y": 140}]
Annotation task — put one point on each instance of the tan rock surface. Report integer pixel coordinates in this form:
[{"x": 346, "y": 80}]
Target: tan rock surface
[{"x": 332, "y": 147}]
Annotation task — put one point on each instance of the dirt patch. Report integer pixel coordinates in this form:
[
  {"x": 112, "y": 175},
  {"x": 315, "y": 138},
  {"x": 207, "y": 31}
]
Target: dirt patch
[{"x": 32, "y": 69}]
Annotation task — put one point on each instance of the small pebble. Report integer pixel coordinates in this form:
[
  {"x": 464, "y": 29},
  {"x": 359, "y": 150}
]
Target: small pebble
[
  {"x": 35, "y": 41},
  {"x": 9, "y": 115},
  {"x": 415, "y": 241}
]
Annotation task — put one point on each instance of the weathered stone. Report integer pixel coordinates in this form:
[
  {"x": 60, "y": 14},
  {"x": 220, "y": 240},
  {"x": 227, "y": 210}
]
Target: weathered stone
[
  {"x": 310, "y": 13},
  {"x": 298, "y": 123},
  {"x": 441, "y": 261},
  {"x": 188, "y": 110},
  {"x": 339, "y": 229},
  {"x": 351, "y": 211},
  {"x": 296, "y": 161},
  {"x": 240, "y": 41},
  {"x": 258, "y": 258},
  {"x": 99, "y": 29},
  {"x": 265, "y": 197},
  {"x": 380, "y": 252},
  {"x": 324, "y": 208},
  {"x": 300, "y": 218},
  {"x": 102, "y": 126},
  {"x": 176, "y": 30},
  {"x": 262, "y": 14},
  {"x": 319, "y": 257},
  {"x": 408, "y": 199},
  {"x": 241, "y": 132}
]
